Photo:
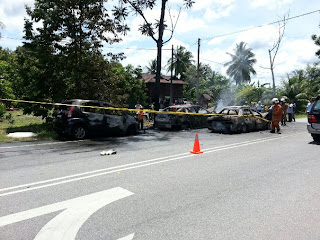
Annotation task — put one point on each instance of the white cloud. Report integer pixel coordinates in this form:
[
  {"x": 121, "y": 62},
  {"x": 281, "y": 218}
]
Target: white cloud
[
  {"x": 270, "y": 4},
  {"x": 12, "y": 14}
]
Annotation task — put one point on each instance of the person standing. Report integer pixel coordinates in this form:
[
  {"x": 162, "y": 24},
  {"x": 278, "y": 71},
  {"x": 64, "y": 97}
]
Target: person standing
[
  {"x": 294, "y": 110},
  {"x": 310, "y": 104},
  {"x": 284, "y": 107},
  {"x": 290, "y": 112},
  {"x": 276, "y": 116},
  {"x": 140, "y": 118}
]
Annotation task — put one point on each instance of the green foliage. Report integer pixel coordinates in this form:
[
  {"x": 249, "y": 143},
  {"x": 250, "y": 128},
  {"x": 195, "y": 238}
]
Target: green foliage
[
  {"x": 253, "y": 94},
  {"x": 152, "y": 68},
  {"x": 130, "y": 89},
  {"x": 301, "y": 85},
  {"x": 241, "y": 65},
  {"x": 62, "y": 58},
  {"x": 316, "y": 40},
  {"x": 2, "y": 110},
  {"x": 182, "y": 60},
  {"x": 6, "y": 70},
  {"x": 210, "y": 82}
]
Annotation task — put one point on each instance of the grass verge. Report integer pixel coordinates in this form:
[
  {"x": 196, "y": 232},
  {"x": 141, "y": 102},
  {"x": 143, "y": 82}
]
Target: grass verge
[{"x": 25, "y": 123}]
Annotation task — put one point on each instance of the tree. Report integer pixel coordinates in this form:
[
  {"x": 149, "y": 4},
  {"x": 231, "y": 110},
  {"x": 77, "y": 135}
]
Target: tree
[
  {"x": 6, "y": 69},
  {"x": 253, "y": 94},
  {"x": 316, "y": 40},
  {"x": 1, "y": 27},
  {"x": 302, "y": 84},
  {"x": 275, "y": 49},
  {"x": 241, "y": 65},
  {"x": 62, "y": 55},
  {"x": 154, "y": 30},
  {"x": 152, "y": 68},
  {"x": 182, "y": 60},
  {"x": 130, "y": 89}
]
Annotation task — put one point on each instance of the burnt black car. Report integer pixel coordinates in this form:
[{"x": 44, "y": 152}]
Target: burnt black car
[
  {"x": 79, "y": 118},
  {"x": 239, "y": 119},
  {"x": 314, "y": 120},
  {"x": 181, "y": 120}
]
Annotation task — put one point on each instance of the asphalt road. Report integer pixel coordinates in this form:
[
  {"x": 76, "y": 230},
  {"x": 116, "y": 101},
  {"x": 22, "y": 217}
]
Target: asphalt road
[{"x": 244, "y": 186}]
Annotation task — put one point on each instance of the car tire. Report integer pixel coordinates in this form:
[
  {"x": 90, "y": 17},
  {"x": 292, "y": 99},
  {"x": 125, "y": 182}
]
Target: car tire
[
  {"x": 316, "y": 137},
  {"x": 79, "y": 132},
  {"x": 185, "y": 126},
  {"x": 131, "y": 130},
  {"x": 244, "y": 128}
]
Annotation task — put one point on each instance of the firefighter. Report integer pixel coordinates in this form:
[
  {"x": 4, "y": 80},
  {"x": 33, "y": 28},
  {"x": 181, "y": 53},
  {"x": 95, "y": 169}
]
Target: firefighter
[{"x": 276, "y": 116}]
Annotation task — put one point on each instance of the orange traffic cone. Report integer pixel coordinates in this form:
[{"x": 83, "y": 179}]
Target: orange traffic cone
[{"x": 196, "y": 146}]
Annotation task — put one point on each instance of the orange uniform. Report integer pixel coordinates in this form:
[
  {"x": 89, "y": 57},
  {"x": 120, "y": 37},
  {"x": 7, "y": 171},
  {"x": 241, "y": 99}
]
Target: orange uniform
[{"x": 276, "y": 117}]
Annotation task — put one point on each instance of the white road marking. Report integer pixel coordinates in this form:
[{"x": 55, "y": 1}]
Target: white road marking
[
  {"x": 41, "y": 144},
  {"x": 129, "y": 237},
  {"x": 105, "y": 171},
  {"x": 77, "y": 211}
]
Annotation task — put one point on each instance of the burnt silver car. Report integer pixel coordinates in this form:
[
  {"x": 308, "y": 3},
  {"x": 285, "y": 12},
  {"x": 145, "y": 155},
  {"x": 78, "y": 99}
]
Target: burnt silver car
[
  {"x": 181, "y": 120},
  {"x": 79, "y": 118},
  {"x": 239, "y": 119}
]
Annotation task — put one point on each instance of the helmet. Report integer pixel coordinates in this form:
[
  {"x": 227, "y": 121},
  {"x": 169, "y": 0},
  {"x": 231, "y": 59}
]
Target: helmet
[
  {"x": 283, "y": 100},
  {"x": 275, "y": 100}
]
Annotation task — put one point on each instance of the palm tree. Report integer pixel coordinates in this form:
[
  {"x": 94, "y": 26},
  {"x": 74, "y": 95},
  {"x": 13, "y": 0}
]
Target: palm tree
[
  {"x": 241, "y": 65},
  {"x": 152, "y": 68},
  {"x": 1, "y": 27},
  {"x": 182, "y": 60}
]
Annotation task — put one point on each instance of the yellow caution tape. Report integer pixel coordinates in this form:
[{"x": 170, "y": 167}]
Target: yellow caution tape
[{"x": 128, "y": 109}]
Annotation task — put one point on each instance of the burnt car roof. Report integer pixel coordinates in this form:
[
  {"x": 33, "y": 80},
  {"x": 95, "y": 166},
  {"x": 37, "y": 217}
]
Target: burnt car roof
[{"x": 86, "y": 101}]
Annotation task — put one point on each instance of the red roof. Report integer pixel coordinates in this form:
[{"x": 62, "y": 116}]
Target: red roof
[{"x": 151, "y": 78}]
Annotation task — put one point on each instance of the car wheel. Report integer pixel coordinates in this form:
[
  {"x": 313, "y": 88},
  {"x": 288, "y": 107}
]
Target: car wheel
[
  {"x": 185, "y": 126},
  {"x": 131, "y": 130},
  {"x": 244, "y": 128},
  {"x": 79, "y": 132},
  {"x": 315, "y": 137}
]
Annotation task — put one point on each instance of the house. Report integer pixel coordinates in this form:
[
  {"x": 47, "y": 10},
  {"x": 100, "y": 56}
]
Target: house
[
  {"x": 164, "y": 89},
  {"x": 204, "y": 100}
]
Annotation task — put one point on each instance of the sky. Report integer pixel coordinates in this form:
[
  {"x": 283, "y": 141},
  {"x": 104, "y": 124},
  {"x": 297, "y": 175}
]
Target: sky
[{"x": 219, "y": 24}]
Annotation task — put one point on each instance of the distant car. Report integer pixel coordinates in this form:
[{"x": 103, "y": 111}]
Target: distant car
[
  {"x": 181, "y": 121},
  {"x": 74, "y": 121},
  {"x": 314, "y": 120},
  {"x": 239, "y": 119}
]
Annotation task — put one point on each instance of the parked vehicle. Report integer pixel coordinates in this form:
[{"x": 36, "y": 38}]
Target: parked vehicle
[
  {"x": 181, "y": 121},
  {"x": 314, "y": 120},
  {"x": 239, "y": 119},
  {"x": 79, "y": 118}
]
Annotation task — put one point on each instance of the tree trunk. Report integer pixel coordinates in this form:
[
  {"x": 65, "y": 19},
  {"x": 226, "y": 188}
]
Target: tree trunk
[
  {"x": 273, "y": 81},
  {"x": 159, "y": 55}
]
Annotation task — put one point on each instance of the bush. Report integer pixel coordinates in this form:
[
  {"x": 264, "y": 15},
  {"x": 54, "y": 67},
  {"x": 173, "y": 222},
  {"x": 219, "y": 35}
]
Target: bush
[{"x": 2, "y": 110}]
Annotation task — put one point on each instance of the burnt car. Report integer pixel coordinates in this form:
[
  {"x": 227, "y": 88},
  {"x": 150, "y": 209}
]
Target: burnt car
[
  {"x": 79, "y": 118},
  {"x": 314, "y": 120},
  {"x": 239, "y": 119},
  {"x": 181, "y": 120}
]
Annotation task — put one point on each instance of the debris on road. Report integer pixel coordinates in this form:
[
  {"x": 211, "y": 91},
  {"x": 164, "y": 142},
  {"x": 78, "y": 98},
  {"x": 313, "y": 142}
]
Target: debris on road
[{"x": 109, "y": 152}]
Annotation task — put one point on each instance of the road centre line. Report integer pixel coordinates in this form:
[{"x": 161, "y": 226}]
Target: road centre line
[
  {"x": 125, "y": 167},
  {"x": 112, "y": 168},
  {"x": 41, "y": 144}
]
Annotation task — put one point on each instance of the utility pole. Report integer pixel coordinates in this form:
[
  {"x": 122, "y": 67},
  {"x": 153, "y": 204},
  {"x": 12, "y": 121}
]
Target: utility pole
[
  {"x": 198, "y": 70},
  {"x": 171, "y": 93}
]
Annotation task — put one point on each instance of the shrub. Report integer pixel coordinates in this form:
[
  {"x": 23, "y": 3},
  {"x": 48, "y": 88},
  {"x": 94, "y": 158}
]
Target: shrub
[{"x": 2, "y": 110}]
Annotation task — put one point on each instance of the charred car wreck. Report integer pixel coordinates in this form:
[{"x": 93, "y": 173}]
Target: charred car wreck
[
  {"x": 238, "y": 119},
  {"x": 182, "y": 121},
  {"x": 79, "y": 118}
]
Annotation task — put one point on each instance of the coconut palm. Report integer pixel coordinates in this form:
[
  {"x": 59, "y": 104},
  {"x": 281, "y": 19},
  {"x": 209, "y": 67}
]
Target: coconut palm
[
  {"x": 152, "y": 68},
  {"x": 182, "y": 60},
  {"x": 241, "y": 65}
]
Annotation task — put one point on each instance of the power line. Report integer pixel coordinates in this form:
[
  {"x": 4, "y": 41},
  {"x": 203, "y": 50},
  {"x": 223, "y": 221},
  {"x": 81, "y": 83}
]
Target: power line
[
  {"x": 263, "y": 25},
  {"x": 127, "y": 48}
]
